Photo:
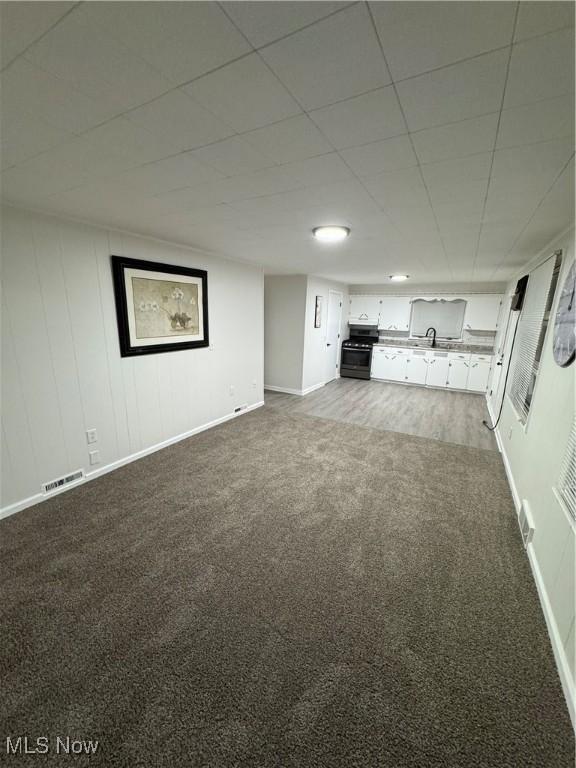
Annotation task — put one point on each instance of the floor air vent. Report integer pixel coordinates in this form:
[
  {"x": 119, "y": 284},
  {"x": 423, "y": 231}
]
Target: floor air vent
[
  {"x": 526, "y": 523},
  {"x": 54, "y": 485}
]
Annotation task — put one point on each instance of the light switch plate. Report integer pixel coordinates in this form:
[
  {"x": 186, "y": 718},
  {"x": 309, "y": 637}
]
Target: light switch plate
[{"x": 94, "y": 457}]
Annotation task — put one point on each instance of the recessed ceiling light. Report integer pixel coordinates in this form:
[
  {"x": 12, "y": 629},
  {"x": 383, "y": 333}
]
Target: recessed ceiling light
[
  {"x": 399, "y": 278},
  {"x": 332, "y": 234}
]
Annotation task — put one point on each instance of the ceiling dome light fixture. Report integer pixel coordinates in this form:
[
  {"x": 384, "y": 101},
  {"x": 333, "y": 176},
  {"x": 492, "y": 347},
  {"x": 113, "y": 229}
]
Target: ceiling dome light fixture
[
  {"x": 399, "y": 278},
  {"x": 332, "y": 234}
]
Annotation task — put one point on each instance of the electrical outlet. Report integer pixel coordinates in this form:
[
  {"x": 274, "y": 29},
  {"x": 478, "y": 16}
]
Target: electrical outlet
[
  {"x": 91, "y": 436},
  {"x": 254, "y": 383},
  {"x": 94, "y": 457},
  {"x": 231, "y": 389}
]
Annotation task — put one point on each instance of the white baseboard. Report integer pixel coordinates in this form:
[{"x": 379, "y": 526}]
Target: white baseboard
[
  {"x": 560, "y": 655},
  {"x": 299, "y": 392},
  {"x": 11, "y": 509},
  {"x": 558, "y": 649}
]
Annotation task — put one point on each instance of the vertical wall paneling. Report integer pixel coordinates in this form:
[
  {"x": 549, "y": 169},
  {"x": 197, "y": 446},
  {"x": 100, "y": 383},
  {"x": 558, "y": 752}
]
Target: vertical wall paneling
[{"x": 62, "y": 372}]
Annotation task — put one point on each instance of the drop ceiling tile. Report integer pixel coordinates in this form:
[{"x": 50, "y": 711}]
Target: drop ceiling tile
[
  {"x": 131, "y": 141},
  {"x": 314, "y": 171},
  {"x": 177, "y": 172},
  {"x": 330, "y": 61},
  {"x": 470, "y": 191},
  {"x": 536, "y": 19},
  {"x": 531, "y": 123},
  {"x": 23, "y": 23},
  {"x": 245, "y": 94},
  {"x": 64, "y": 167},
  {"x": 457, "y": 171},
  {"x": 293, "y": 139},
  {"x": 362, "y": 119},
  {"x": 31, "y": 90},
  {"x": 188, "y": 198},
  {"x": 178, "y": 119},
  {"x": 181, "y": 40},
  {"x": 22, "y": 137},
  {"x": 421, "y": 36},
  {"x": 458, "y": 215},
  {"x": 458, "y": 92},
  {"x": 263, "y": 23},
  {"x": 95, "y": 64},
  {"x": 468, "y": 137},
  {"x": 534, "y": 166},
  {"x": 233, "y": 156},
  {"x": 389, "y": 155},
  {"x": 398, "y": 189},
  {"x": 541, "y": 68}
]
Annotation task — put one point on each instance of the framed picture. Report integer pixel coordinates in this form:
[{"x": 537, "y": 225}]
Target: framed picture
[
  {"x": 159, "y": 307},
  {"x": 318, "y": 312}
]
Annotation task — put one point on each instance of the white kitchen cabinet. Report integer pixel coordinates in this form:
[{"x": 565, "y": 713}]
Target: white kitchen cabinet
[
  {"x": 437, "y": 375},
  {"x": 389, "y": 363},
  {"x": 396, "y": 366},
  {"x": 416, "y": 368},
  {"x": 395, "y": 313},
  {"x": 478, "y": 375},
  {"x": 482, "y": 312},
  {"x": 458, "y": 370},
  {"x": 379, "y": 368},
  {"x": 364, "y": 310}
]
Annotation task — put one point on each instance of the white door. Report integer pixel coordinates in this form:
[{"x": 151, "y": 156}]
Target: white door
[
  {"x": 333, "y": 325},
  {"x": 437, "y": 371},
  {"x": 416, "y": 367},
  {"x": 501, "y": 359},
  {"x": 458, "y": 374},
  {"x": 478, "y": 376}
]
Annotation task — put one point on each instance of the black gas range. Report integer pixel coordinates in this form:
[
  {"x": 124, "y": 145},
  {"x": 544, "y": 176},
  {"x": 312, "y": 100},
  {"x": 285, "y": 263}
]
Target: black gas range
[{"x": 356, "y": 357}]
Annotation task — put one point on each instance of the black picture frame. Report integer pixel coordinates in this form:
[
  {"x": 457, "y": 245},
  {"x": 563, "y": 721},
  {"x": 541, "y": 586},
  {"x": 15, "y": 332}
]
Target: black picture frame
[
  {"x": 318, "y": 312},
  {"x": 127, "y": 346}
]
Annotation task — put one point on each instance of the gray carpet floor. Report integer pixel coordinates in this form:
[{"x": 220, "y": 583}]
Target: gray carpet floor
[{"x": 282, "y": 591}]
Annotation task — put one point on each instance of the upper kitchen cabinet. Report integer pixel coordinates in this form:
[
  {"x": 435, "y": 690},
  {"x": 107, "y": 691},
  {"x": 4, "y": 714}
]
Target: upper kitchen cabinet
[
  {"x": 395, "y": 313},
  {"x": 364, "y": 310},
  {"x": 482, "y": 312}
]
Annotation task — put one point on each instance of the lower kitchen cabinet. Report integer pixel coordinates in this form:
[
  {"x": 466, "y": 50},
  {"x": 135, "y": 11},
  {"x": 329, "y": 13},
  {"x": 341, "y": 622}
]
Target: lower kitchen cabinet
[
  {"x": 437, "y": 371},
  {"x": 416, "y": 369},
  {"x": 478, "y": 376},
  {"x": 457, "y": 374},
  {"x": 432, "y": 368},
  {"x": 388, "y": 364}
]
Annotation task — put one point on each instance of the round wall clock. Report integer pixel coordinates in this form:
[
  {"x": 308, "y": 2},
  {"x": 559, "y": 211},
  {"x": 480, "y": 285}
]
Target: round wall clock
[{"x": 565, "y": 323}]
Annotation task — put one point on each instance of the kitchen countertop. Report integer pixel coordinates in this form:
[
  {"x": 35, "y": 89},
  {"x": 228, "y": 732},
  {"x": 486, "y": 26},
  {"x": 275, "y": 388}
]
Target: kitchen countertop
[{"x": 444, "y": 346}]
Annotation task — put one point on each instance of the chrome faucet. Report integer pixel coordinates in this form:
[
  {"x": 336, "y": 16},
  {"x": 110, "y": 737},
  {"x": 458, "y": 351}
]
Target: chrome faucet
[{"x": 433, "y": 335}]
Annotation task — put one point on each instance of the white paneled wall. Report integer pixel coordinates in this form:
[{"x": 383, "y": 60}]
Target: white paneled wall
[{"x": 61, "y": 368}]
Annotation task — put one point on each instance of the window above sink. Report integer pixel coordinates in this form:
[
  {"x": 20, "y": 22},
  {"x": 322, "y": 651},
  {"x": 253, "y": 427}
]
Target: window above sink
[{"x": 445, "y": 315}]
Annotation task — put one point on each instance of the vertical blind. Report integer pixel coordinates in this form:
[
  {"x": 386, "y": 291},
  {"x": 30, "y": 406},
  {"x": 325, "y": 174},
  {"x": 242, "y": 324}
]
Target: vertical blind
[
  {"x": 566, "y": 485},
  {"x": 524, "y": 368}
]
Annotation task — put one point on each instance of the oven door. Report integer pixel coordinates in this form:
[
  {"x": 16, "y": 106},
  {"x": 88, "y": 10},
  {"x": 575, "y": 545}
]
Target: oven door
[{"x": 357, "y": 359}]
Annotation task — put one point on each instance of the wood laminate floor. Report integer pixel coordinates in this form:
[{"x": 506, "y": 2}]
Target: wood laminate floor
[{"x": 453, "y": 417}]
